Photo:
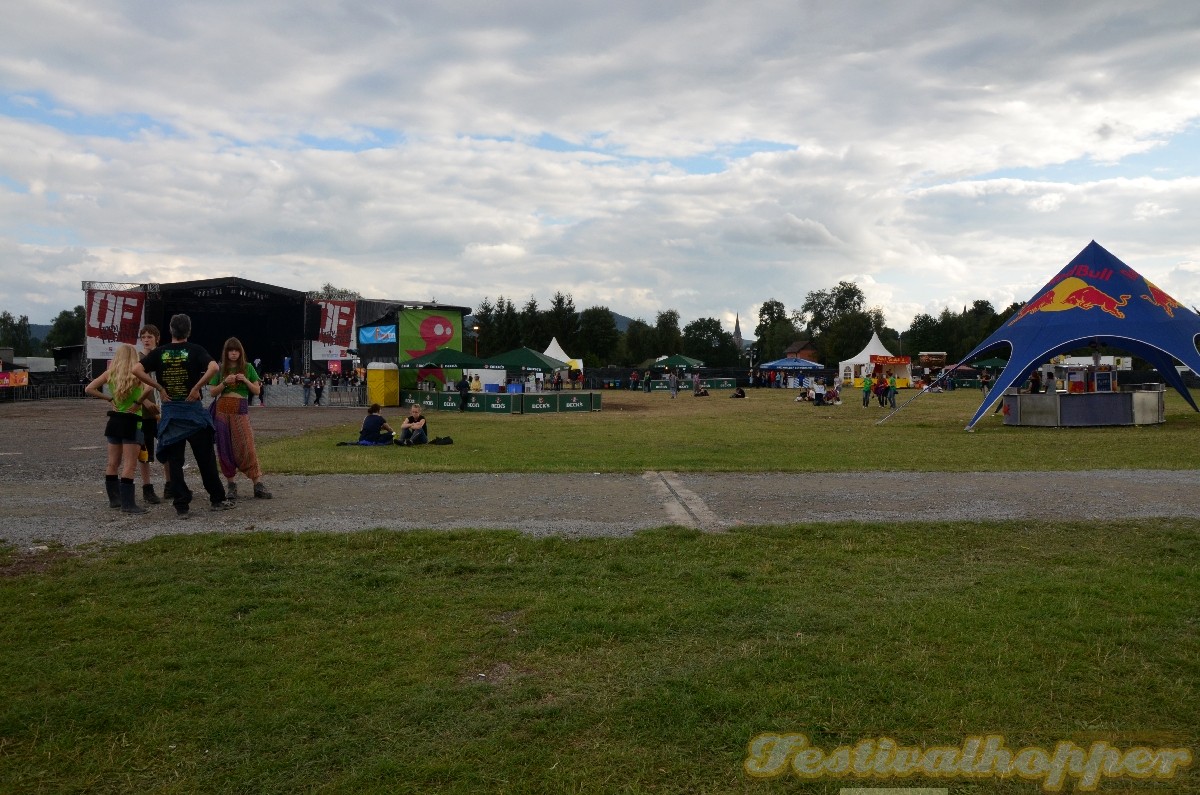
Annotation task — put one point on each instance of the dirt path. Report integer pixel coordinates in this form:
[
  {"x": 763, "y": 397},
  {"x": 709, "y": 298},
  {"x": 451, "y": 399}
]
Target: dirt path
[{"x": 50, "y": 492}]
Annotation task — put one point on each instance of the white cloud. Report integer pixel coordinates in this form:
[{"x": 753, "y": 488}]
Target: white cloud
[{"x": 721, "y": 153}]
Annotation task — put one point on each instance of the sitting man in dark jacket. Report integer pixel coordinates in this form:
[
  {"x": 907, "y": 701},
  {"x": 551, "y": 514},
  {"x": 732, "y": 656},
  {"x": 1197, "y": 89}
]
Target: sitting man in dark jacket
[{"x": 414, "y": 429}]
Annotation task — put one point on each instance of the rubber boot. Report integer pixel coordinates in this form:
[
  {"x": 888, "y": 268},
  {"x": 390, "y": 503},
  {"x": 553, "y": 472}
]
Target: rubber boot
[
  {"x": 112, "y": 486},
  {"x": 148, "y": 495},
  {"x": 128, "y": 503}
]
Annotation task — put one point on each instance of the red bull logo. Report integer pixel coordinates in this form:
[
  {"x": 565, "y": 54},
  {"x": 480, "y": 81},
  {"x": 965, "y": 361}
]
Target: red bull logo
[
  {"x": 1161, "y": 299},
  {"x": 1074, "y": 293}
]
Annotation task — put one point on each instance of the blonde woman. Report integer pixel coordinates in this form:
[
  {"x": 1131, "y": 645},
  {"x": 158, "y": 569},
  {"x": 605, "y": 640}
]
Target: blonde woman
[
  {"x": 129, "y": 399},
  {"x": 232, "y": 387}
]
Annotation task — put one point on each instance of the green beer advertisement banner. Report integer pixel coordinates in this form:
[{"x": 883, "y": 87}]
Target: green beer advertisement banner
[{"x": 422, "y": 331}]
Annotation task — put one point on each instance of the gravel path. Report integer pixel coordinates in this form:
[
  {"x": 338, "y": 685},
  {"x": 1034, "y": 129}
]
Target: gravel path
[{"x": 50, "y": 492}]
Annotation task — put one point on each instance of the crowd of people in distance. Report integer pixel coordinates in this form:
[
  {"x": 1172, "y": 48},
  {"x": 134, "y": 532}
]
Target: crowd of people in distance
[{"x": 157, "y": 411}]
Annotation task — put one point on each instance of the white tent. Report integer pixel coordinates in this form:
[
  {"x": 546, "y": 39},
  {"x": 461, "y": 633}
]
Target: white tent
[
  {"x": 852, "y": 369},
  {"x": 555, "y": 351}
]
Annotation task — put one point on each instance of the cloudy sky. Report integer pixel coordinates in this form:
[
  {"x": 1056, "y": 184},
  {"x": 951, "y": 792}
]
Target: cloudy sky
[{"x": 702, "y": 156}]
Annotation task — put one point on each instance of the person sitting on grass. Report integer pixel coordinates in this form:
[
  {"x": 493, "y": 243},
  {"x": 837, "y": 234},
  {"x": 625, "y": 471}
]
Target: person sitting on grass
[
  {"x": 375, "y": 429},
  {"x": 414, "y": 429}
]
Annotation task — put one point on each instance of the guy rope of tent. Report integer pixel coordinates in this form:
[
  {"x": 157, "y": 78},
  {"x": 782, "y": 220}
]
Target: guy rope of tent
[{"x": 1098, "y": 299}]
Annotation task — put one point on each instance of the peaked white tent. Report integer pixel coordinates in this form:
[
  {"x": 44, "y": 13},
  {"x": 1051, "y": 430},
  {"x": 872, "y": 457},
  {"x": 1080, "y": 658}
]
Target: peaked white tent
[
  {"x": 555, "y": 351},
  {"x": 853, "y": 369}
]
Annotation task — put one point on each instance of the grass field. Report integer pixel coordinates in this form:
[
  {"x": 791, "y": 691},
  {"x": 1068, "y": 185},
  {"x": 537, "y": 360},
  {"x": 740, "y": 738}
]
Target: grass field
[
  {"x": 474, "y": 662},
  {"x": 766, "y": 432}
]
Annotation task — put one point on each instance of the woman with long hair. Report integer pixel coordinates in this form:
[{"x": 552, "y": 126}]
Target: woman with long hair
[
  {"x": 129, "y": 399},
  {"x": 232, "y": 388}
]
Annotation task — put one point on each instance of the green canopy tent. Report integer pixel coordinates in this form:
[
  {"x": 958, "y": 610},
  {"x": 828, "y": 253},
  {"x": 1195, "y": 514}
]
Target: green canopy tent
[
  {"x": 678, "y": 360},
  {"x": 994, "y": 362},
  {"x": 447, "y": 359},
  {"x": 526, "y": 360}
]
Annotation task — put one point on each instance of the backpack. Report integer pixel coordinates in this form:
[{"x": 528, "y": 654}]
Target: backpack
[{"x": 442, "y": 440}]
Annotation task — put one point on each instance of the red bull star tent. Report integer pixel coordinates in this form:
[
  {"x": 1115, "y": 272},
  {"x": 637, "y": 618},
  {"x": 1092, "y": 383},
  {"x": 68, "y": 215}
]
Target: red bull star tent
[{"x": 1095, "y": 298}]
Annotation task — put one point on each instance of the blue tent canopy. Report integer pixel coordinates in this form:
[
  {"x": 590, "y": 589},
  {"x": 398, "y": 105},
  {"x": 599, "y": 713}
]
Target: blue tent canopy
[
  {"x": 1097, "y": 299},
  {"x": 791, "y": 364}
]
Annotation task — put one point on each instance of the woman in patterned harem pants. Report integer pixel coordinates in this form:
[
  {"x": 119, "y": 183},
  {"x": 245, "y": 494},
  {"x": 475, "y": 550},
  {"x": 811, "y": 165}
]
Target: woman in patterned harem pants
[{"x": 232, "y": 388}]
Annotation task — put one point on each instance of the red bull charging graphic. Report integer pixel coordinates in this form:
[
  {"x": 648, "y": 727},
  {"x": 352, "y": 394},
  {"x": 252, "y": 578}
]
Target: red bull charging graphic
[
  {"x": 1160, "y": 299},
  {"x": 1074, "y": 293}
]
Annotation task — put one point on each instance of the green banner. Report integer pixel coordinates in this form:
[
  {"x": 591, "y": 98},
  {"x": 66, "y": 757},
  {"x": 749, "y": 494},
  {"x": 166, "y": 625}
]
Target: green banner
[
  {"x": 422, "y": 331},
  {"x": 574, "y": 401},
  {"x": 448, "y": 401},
  {"x": 499, "y": 402},
  {"x": 595, "y": 401},
  {"x": 429, "y": 401},
  {"x": 475, "y": 401},
  {"x": 539, "y": 403}
]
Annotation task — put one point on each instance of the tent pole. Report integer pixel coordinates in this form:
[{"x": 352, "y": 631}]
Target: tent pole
[{"x": 914, "y": 397}]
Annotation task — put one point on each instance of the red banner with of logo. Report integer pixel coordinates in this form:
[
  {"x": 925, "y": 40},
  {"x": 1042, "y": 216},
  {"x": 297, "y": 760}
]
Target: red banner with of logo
[
  {"x": 337, "y": 331},
  {"x": 113, "y": 317},
  {"x": 889, "y": 359}
]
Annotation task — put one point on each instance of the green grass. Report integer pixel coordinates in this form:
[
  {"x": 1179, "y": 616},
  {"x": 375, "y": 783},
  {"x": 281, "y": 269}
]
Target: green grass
[
  {"x": 766, "y": 432},
  {"x": 493, "y": 662}
]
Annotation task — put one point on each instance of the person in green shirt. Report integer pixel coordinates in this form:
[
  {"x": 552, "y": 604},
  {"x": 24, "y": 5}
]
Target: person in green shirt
[{"x": 232, "y": 387}]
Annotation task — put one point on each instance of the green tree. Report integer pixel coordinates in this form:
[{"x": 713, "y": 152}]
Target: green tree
[
  {"x": 485, "y": 319},
  {"x": 533, "y": 326},
  {"x": 845, "y": 337},
  {"x": 330, "y": 293},
  {"x": 16, "y": 334},
  {"x": 562, "y": 321},
  {"x": 666, "y": 333},
  {"x": 67, "y": 328},
  {"x": 822, "y": 308},
  {"x": 706, "y": 340},
  {"x": 640, "y": 343},
  {"x": 506, "y": 331},
  {"x": 775, "y": 331},
  {"x": 598, "y": 334}
]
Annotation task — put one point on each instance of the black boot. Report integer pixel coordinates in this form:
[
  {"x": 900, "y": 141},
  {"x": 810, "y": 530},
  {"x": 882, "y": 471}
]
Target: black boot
[
  {"x": 112, "y": 486},
  {"x": 168, "y": 492},
  {"x": 128, "y": 503},
  {"x": 148, "y": 495}
]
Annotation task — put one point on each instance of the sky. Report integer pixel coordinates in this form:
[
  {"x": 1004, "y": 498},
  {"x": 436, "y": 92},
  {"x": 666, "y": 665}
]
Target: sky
[{"x": 702, "y": 156}]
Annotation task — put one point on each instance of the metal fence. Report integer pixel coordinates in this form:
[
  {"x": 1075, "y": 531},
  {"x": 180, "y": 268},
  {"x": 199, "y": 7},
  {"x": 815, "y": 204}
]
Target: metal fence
[{"x": 41, "y": 392}]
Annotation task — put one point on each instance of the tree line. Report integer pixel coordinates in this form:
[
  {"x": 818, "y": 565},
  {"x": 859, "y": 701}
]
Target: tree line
[
  {"x": 835, "y": 322},
  {"x": 16, "y": 333}
]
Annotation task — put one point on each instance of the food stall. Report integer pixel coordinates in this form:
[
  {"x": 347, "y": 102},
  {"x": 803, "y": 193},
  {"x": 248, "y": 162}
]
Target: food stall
[{"x": 1090, "y": 396}]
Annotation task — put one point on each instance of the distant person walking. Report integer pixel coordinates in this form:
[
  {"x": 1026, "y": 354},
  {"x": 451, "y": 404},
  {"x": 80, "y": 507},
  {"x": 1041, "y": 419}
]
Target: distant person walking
[{"x": 464, "y": 390}]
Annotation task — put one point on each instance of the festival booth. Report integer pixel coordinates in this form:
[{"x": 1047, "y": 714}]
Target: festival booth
[
  {"x": 521, "y": 362},
  {"x": 873, "y": 359},
  {"x": 794, "y": 369},
  {"x": 1096, "y": 300}
]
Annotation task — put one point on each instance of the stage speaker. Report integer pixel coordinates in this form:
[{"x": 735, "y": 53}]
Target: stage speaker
[{"x": 312, "y": 321}]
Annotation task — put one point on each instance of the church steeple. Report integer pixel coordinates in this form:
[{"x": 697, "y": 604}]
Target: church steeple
[{"x": 737, "y": 332}]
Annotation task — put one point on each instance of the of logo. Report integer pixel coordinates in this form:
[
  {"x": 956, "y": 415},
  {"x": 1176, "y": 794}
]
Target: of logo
[{"x": 1074, "y": 293}]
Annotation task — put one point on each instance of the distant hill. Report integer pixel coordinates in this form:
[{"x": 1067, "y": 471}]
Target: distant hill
[
  {"x": 621, "y": 321},
  {"x": 38, "y": 331}
]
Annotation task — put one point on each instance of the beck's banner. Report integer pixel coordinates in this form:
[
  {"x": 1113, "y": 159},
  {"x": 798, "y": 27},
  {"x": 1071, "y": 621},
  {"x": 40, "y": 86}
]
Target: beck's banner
[
  {"x": 424, "y": 331},
  {"x": 113, "y": 317},
  {"x": 337, "y": 331}
]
